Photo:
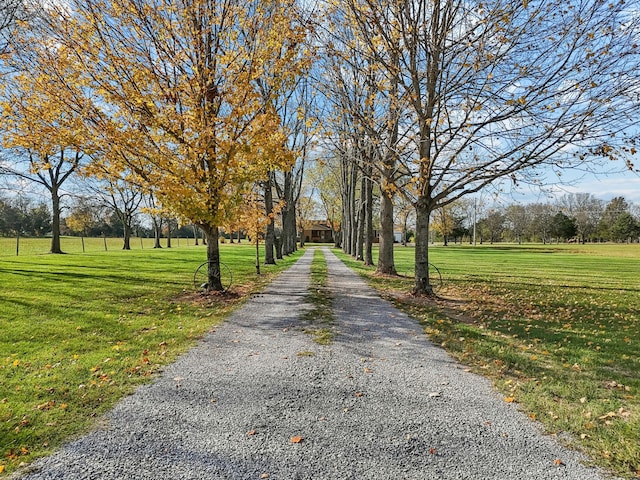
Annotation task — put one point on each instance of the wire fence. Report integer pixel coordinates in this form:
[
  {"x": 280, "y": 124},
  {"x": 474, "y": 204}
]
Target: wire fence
[{"x": 22, "y": 246}]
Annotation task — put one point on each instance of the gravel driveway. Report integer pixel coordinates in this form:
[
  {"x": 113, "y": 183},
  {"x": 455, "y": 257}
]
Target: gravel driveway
[{"x": 381, "y": 402}]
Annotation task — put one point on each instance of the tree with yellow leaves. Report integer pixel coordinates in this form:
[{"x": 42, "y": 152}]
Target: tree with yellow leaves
[
  {"x": 42, "y": 138},
  {"x": 255, "y": 218},
  {"x": 169, "y": 91}
]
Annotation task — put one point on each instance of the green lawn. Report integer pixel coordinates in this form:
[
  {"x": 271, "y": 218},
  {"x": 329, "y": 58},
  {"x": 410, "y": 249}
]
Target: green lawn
[
  {"x": 80, "y": 331},
  {"x": 557, "y": 327},
  {"x": 319, "y": 318},
  {"x": 35, "y": 246}
]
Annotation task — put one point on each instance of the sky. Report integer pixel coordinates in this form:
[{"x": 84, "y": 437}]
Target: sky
[{"x": 604, "y": 185}]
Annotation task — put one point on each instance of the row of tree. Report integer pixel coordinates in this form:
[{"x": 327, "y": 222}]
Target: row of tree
[
  {"x": 196, "y": 104},
  {"x": 574, "y": 217},
  {"x": 212, "y": 107},
  {"x": 433, "y": 101}
]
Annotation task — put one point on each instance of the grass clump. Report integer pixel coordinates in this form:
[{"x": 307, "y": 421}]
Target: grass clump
[
  {"x": 556, "y": 327},
  {"x": 79, "y": 331},
  {"x": 320, "y": 316}
]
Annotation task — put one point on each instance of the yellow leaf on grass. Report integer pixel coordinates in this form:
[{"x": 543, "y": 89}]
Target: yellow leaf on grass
[
  {"x": 509, "y": 399},
  {"x": 2, "y": 468}
]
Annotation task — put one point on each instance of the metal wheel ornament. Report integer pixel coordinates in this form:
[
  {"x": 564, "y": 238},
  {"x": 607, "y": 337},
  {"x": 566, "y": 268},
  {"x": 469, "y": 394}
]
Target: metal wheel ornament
[
  {"x": 201, "y": 277},
  {"x": 435, "y": 277}
]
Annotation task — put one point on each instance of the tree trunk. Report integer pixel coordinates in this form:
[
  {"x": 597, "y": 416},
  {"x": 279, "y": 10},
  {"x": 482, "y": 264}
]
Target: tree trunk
[
  {"x": 348, "y": 200},
  {"x": 359, "y": 233},
  {"x": 368, "y": 221},
  {"x": 353, "y": 213},
  {"x": 157, "y": 232},
  {"x": 386, "y": 264},
  {"x": 288, "y": 230},
  {"x": 270, "y": 235},
  {"x": 126, "y": 234},
  {"x": 422, "y": 285},
  {"x": 55, "y": 221},
  {"x": 288, "y": 216},
  {"x": 213, "y": 257},
  {"x": 278, "y": 245}
]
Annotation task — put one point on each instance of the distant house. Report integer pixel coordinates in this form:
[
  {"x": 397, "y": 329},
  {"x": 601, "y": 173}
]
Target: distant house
[
  {"x": 317, "y": 231},
  {"x": 397, "y": 236}
]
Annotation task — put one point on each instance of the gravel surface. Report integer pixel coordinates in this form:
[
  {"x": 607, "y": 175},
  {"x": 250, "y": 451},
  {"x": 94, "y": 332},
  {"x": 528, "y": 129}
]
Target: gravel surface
[{"x": 381, "y": 402}]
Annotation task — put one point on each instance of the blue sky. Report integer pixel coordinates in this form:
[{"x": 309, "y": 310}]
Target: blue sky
[{"x": 613, "y": 180}]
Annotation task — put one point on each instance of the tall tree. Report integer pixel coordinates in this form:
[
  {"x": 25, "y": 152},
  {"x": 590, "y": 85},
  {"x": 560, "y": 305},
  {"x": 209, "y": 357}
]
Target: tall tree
[
  {"x": 123, "y": 199},
  {"x": 170, "y": 91},
  {"x": 367, "y": 112},
  {"x": 625, "y": 228},
  {"x": 563, "y": 227},
  {"x": 516, "y": 218},
  {"x": 586, "y": 211},
  {"x": 493, "y": 225},
  {"x": 44, "y": 137},
  {"x": 500, "y": 88},
  {"x": 541, "y": 220},
  {"x": 616, "y": 207}
]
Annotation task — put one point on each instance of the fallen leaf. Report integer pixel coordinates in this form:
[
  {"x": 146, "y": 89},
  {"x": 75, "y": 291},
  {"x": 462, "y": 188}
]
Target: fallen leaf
[
  {"x": 251, "y": 432},
  {"x": 432, "y": 451},
  {"x": 608, "y": 415},
  {"x": 359, "y": 394},
  {"x": 367, "y": 370},
  {"x": 264, "y": 475},
  {"x": 2, "y": 468},
  {"x": 624, "y": 413},
  {"x": 557, "y": 461},
  {"x": 296, "y": 439},
  {"x": 509, "y": 399}
]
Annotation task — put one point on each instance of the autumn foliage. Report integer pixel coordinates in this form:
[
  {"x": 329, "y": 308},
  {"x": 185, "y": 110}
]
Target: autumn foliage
[{"x": 174, "y": 94}]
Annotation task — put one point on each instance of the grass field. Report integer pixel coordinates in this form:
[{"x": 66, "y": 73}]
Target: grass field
[
  {"x": 36, "y": 246},
  {"x": 79, "y": 331},
  {"x": 556, "y": 327},
  {"x": 319, "y": 317}
]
